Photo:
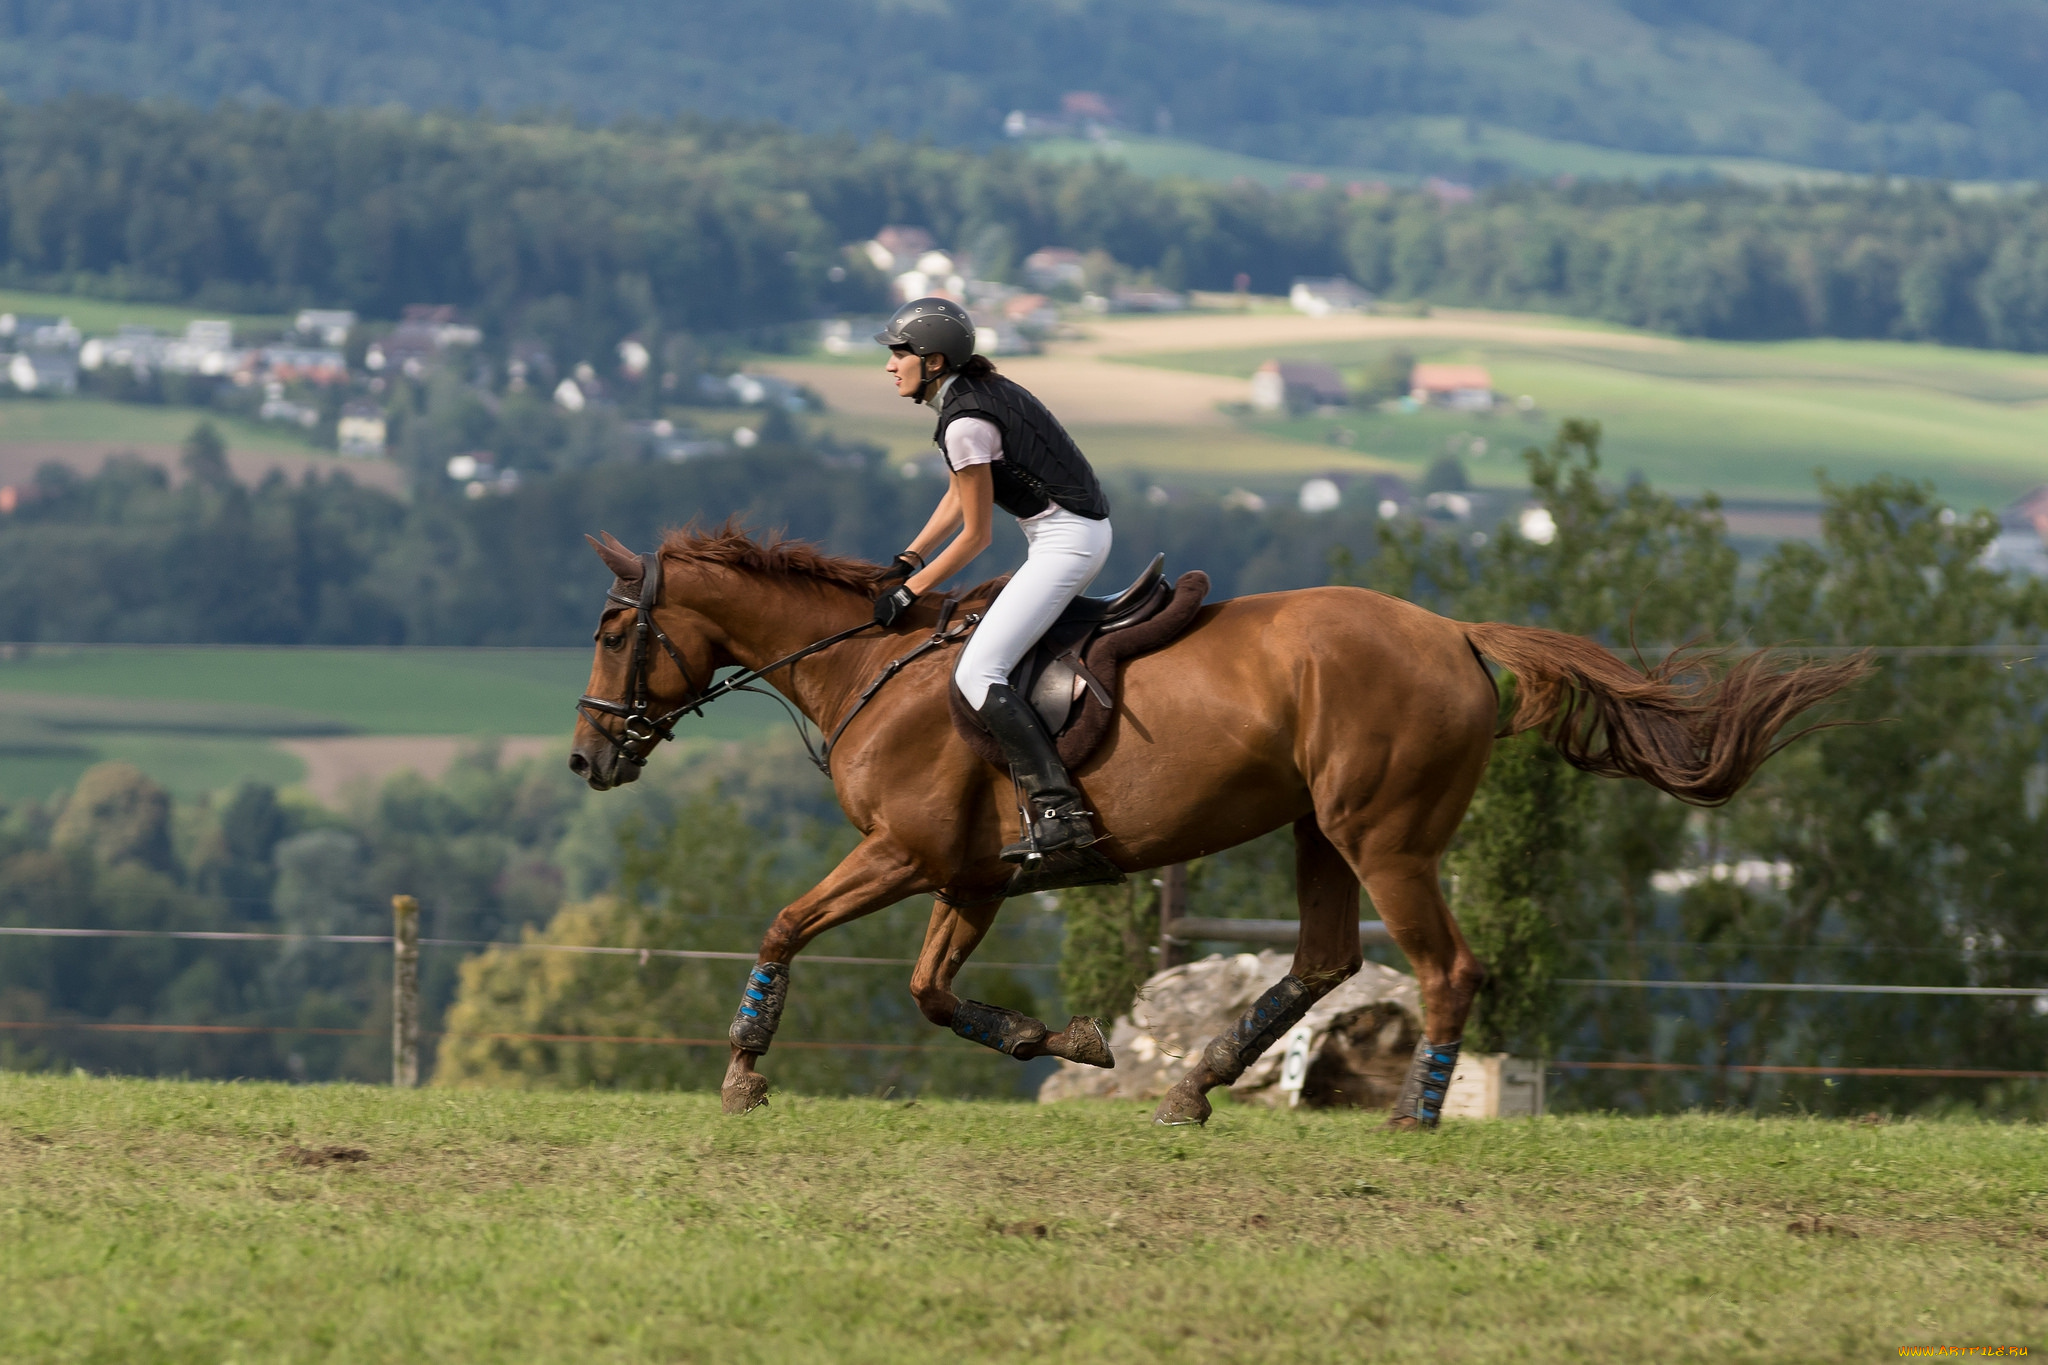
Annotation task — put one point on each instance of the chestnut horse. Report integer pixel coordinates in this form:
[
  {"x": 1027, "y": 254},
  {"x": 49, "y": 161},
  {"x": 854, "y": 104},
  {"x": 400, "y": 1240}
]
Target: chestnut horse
[{"x": 1362, "y": 720}]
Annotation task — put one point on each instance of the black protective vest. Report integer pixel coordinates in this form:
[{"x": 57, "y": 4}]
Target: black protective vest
[{"x": 1041, "y": 465}]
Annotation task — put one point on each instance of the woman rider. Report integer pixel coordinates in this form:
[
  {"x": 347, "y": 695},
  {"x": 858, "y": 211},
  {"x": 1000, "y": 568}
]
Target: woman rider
[{"x": 1004, "y": 449}]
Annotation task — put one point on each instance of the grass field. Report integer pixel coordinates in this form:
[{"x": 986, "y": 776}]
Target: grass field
[
  {"x": 104, "y": 316},
  {"x": 1746, "y": 420},
  {"x": 38, "y": 421},
  {"x": 198, "y": 719},
  {"x": 1451, "y": 140},
  {"x": 167, "y": 1221}
]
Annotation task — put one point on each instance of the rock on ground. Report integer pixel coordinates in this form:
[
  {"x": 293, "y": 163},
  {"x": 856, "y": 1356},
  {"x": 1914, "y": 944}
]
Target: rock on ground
[{"x": 1362, "y": 1036}]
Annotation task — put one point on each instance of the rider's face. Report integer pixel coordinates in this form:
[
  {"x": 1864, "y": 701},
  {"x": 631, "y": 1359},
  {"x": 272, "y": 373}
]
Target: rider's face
[{"x": 908, "y": 370}]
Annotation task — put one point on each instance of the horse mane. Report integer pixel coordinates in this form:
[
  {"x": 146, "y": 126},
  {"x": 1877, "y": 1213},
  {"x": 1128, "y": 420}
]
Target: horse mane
[{"x": 730, "y": 546}]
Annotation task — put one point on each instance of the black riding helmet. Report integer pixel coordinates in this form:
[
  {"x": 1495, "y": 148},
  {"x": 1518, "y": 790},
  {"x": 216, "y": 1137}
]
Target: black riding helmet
[{"x": 931, "y": 326}]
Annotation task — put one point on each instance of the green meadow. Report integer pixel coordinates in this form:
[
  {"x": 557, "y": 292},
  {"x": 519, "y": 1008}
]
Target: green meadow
[
  {"x": 1754, "y": 420},
  {"x": 105, "y": 316},
  {"x": 177, "y": 1221},
  {"x": 198, "y": 719},
  {"x": 1449, "y": 139},
  {"x": 34, "y": 421}
]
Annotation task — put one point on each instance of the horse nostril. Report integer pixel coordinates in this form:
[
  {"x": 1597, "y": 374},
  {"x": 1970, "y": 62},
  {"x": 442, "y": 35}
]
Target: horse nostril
[{"x": 579, "y": 765}]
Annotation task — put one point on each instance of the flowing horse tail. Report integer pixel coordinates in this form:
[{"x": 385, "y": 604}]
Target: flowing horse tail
[{"x": 1677, "y": 727}]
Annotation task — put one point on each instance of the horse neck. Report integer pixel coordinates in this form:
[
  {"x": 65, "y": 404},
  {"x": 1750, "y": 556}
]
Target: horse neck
[{"x": 766, "y": 617}]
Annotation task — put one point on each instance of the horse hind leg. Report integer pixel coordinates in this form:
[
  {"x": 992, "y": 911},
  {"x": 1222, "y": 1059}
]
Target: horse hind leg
[
  {"x": 954, "y": 933},
  {"x": 1326, "y": 955},
  {"x": 1411, "y": 902}
]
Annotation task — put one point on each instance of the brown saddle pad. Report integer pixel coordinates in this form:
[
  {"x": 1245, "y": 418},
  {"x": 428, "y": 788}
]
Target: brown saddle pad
[{"x": 1104, "y": 656}]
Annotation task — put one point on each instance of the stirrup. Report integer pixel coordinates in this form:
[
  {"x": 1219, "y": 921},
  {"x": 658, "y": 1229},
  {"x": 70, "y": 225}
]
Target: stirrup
[{"x": 1068, "y": 825}]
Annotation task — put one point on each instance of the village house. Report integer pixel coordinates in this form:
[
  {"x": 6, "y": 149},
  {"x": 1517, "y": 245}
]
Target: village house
[
  {"x": 1055, "y": 267},
  {"x": 425, "y": 332},
  {"x": 38, "y": 332},
  {"x": 1321, "y": 297},
  {"x": 46, "y": 352},
  {"x": 43, "y": 371},
  {"x": 896, "y": 248},
  {"x": 361, "y": 431},
  {"x": 207, "y": 347},
  {"x": 1462, "y": 388},
  {"x": 310, "y": 364},
  {"x": 2021, "y": 545},
  {"x": 326, "y": 326},
  {"x": 1297, "y": 386}
]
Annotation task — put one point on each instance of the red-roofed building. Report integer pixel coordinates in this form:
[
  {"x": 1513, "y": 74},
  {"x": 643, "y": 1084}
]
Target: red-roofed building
[{"x": 1466, "y": 388}]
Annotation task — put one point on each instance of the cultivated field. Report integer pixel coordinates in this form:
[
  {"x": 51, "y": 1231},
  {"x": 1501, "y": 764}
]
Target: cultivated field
[
  {"x": 1750, "y": 421},
  {"x": 1455, "y": 139},
  {"x": 178, "y": 1221},
  {"x": 198, "y": 719},
  {"x": 83, "y": 432}
]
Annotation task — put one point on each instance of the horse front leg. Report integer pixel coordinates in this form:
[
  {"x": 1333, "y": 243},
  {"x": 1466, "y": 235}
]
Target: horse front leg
[
  {"x": 955, "y": 931},
  {"x": 878, "y": 873}
]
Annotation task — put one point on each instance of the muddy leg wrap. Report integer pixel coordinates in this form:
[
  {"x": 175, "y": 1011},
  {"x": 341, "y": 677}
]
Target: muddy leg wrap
[
  {"x": 753, "y": 1028},
  {"x": 993, "y": 1026},
  {"x": 1429, "y": 1076},
  {"x": 1261, "y": 1026}
]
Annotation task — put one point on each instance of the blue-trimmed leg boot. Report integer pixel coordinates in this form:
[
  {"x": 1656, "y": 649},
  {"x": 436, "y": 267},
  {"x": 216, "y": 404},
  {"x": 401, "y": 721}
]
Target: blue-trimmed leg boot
[
  {"x": 1228, "y": 1054},
  {"x": 1421, "y": 1103},
  {"x": 753, "y": 1029}
]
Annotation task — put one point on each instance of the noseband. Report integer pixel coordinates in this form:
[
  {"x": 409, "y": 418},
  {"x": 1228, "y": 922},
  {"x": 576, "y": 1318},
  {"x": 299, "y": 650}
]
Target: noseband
[{"x": 642, "y": 729}]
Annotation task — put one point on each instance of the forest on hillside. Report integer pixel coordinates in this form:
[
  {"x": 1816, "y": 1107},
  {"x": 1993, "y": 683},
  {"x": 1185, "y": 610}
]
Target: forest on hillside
[
  {"x": 582, "y": 236},
  {"x": 1949, "y": 90}
]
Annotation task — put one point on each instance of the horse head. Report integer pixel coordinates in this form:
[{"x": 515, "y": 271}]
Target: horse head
[{"x": 640, "y": 675}]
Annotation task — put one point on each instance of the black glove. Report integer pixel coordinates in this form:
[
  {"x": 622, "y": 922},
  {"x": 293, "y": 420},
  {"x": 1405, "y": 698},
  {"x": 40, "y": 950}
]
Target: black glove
[
  {"x": 893, "y": 604},
  {"x": 900, "y": 569}
]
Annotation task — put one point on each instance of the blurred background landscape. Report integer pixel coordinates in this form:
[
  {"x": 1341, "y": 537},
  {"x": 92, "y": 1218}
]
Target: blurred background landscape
[{"x": 326, "y": 332}]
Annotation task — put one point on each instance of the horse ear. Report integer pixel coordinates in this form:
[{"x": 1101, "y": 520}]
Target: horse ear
[{"x": 624, "y": 564}]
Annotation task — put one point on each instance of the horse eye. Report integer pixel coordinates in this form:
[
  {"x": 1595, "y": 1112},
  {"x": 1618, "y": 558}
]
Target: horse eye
[{"x": 614, "y": 641}]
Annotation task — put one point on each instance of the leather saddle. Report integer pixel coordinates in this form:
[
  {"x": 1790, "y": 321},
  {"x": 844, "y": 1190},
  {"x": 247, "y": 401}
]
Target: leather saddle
[
  {"x": 1054, "y": 675},
  {"x": 1071, "y": 674}
]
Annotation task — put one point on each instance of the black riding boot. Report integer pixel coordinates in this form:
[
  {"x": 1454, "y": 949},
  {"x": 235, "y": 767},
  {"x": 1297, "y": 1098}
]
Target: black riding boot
[{"x": 1058, "y": 819}]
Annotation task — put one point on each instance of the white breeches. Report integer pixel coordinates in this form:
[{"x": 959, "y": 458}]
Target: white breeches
[{"x": 1067, "y": 551}]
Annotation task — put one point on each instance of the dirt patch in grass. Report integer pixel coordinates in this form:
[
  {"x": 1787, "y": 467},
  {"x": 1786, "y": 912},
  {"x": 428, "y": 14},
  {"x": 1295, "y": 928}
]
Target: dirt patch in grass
[{"x": 331, "y": 1155}]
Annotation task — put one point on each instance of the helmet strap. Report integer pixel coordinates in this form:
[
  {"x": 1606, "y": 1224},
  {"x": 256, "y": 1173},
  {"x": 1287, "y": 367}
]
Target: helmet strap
[{"x": 924, "y": 390}]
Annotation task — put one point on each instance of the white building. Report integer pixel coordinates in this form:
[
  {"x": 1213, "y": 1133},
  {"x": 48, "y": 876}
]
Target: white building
[
  {"x": 1296, "y": 386},
  {"x": 361, "y": 430},
  {"x": 1321, "y": 297},
  {"x": 328, "y": 326}
]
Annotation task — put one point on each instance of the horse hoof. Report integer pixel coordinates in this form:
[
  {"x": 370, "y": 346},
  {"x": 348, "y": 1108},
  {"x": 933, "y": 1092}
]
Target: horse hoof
[
  {"x": 1408, "y": 1123},
  {"x": 1082, "y": 1041},
  {"x": 744, "y": 1095},
  {"x": 1183, "y": 1107}
]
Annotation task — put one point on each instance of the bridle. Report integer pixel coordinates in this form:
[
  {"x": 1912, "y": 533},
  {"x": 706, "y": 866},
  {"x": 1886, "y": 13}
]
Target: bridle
[{"x": 642, "y": 729}]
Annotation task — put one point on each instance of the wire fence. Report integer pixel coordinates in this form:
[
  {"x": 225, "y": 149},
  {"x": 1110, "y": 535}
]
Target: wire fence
[{"x": 407, "y": 1035}]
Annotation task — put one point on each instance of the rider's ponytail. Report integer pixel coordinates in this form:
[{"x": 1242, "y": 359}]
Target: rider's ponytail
[{"x": 977, "y": 367}]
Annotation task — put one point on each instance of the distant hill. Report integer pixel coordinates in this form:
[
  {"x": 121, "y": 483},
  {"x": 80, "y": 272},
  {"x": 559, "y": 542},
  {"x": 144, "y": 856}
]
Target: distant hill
[{"x": 1958, "y": 89}]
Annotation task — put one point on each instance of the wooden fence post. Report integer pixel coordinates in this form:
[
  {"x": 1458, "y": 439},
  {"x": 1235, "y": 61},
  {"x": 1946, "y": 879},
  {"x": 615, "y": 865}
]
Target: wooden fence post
[
  {"x": 405, "y": 992},
  {"x": 1173, "y": 906}
]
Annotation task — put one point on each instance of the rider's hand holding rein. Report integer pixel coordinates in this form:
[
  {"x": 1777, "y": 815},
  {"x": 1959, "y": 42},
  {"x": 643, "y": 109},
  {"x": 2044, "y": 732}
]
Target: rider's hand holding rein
[{"x": 969, "y": 504}]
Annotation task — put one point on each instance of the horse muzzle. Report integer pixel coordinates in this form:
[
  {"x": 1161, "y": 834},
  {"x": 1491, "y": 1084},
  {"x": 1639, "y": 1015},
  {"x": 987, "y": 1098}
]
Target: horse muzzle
[{"x": 602, "y": 764}]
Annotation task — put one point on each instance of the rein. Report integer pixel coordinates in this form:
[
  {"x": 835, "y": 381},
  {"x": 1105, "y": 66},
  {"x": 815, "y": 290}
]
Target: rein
[{"x": 642, "y": 730}]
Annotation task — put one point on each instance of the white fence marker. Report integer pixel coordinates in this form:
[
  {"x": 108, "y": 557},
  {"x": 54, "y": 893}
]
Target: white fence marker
[{"x": 1294, "y": 1063}]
